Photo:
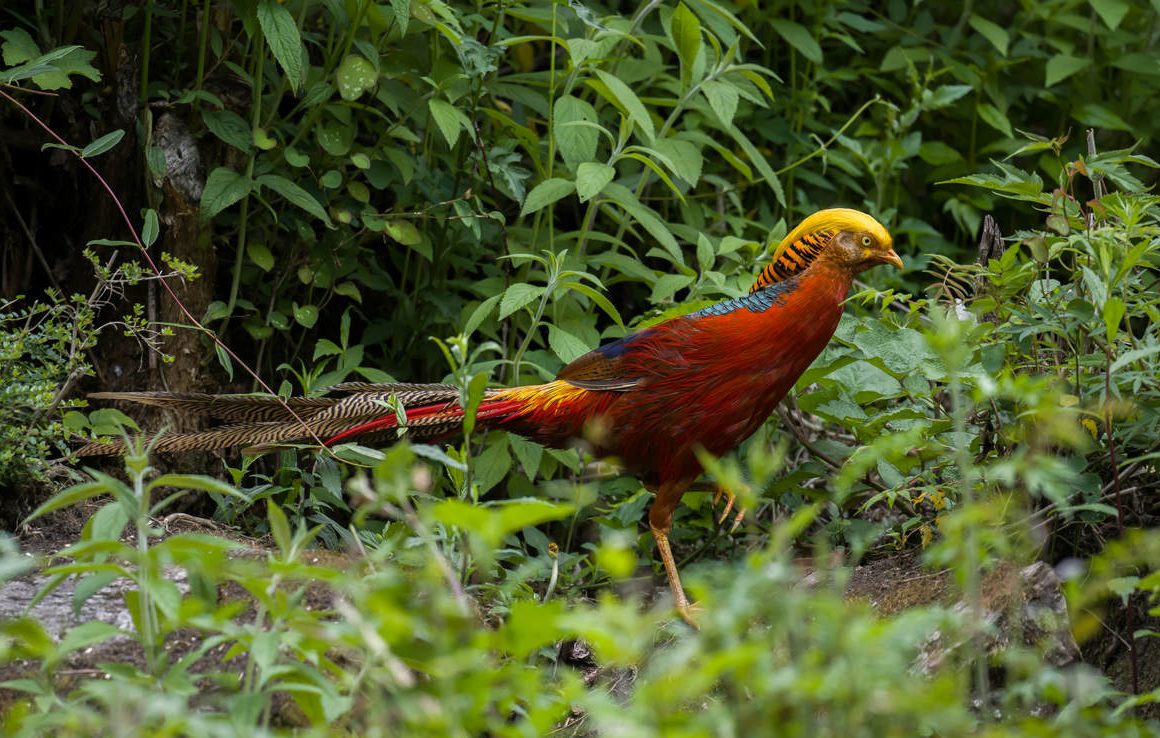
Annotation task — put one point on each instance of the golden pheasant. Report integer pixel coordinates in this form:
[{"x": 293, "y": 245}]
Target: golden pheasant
[{"x": 706, "y": 380}]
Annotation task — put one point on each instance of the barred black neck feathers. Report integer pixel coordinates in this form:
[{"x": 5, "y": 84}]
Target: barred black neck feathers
[{"x": 793, "y": 258}]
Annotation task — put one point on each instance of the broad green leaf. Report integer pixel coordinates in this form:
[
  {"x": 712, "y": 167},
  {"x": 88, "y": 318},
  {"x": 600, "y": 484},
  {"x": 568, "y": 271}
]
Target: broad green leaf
[
  {"x": 685, "y": 158},
  {"x": 686, "y": 33},
  {"x": 647, "y": 217},
  {"x": 993, "y": 32},
  {"x": 1111, "y": 12},
  {"x": 1134, "y": 355},
  {"x": 565, "y": 345},
  {"x": 517, "y": 296},
  {"x": 546, "y": 193},
  {"x": 494, "y": 521},
  {"x": 449, "y": 118},
  {"x": 1062, "y": 66},
  {"x": 480, "y": 314},
  {"x": 1098, "y": 116},
  {"x": 305, "y": 315},
  {"x": 404, "y": 231},
  {"x": 150, "y": 228},
  {"x": 223, "y": 188},
  {"x": 1139, "y": 63},
  {"x": 576, "y": 143},
  {"x": 938, "y": 153},
  {"x": 18, "y": 47},
  {"x": 296, "y": 195},
  {"x": 334, "y": 139},
  {"x": 943, "y": 95},
  {"x": 260, "y": 255},
  {"x": 723, "y": 98},
  {"x": 996, "y": 119},
  {"x": 667, "y": 286},
  {"x": 284, "y": 40},
  {"x": 597, "y": 298},
  {"x": 901, "y": 350},
  {"x": 230, "y": 128},
  {"x": 760, "y": 162},
  {"x": 355, "y": 75},
  {"x": 103, "y": 144},
  {"x": 622, "y": 96},
  {"x": 591, "y": 178},
  {"x": 798, "y": 37},
  {"x": 1114, "y": 309}
]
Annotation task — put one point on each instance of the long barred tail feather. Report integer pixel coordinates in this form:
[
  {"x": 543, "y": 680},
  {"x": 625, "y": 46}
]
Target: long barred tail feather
[{"x": 358, "y": 409}]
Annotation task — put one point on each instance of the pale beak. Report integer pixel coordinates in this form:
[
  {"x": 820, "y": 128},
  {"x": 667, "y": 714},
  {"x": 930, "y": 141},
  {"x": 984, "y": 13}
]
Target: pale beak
[{"x": 890, "y": 257}]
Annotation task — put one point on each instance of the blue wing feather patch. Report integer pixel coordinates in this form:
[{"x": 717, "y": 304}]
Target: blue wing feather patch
[{"x": 755, "y": 302}]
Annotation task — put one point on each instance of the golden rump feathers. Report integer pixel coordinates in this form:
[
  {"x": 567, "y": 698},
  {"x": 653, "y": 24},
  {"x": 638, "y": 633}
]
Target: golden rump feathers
[{"x": 803, "y": 244}]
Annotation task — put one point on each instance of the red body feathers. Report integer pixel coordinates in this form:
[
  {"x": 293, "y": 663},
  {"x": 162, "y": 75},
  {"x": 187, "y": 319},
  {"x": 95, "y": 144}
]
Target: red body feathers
[{"x": 706, "y": 380}]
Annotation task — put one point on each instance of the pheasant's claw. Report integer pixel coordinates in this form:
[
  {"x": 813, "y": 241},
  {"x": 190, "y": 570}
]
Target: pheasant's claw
[{"x": 730, "y": 501}]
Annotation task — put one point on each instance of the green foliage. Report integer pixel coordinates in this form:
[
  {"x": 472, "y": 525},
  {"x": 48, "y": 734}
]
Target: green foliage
[
  {"x": 388, "y": 642},
  {"x": 41, "y": 353}
]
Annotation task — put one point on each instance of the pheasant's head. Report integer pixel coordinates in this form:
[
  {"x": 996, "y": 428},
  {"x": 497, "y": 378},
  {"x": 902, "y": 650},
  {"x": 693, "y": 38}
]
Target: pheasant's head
[{"x": 849, "y": 239}]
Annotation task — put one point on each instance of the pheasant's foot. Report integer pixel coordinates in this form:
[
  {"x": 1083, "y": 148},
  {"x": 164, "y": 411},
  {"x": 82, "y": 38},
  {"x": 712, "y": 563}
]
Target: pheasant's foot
[
  {"x": 689, "y": 612},
  {"x": 730, "y": 500}
]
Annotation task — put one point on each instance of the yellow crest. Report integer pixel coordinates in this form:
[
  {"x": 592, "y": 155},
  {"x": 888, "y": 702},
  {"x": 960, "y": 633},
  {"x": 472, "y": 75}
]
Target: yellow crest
[{"x": 803, "y": 244}]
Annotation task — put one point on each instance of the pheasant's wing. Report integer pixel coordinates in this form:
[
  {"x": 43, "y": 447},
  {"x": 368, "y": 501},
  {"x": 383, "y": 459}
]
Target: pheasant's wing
[{"x": 609, "y": 367}]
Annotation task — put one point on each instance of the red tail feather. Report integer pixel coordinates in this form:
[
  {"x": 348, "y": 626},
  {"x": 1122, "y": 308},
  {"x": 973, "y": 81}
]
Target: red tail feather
[{"x": 489, "y": 410}]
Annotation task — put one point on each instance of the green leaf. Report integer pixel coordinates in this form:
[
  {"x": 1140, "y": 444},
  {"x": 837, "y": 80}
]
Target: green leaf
[
  {"x": 601, "y": 301},
  {"x": 722, "y": 98},
  {"x": 647, "y": 217},
  {"x": 1111, "y": 12},
  {"x": 1114, "y": 309},
  {"x": 1134, "y": 355},
  {"x": 546, "y": 193},
  {"x": 279, "y": 526},
  {"x": 284, "y": 40},
  {"x": 496, "y": 520},
  {"x": 449, "y": 119},
  {"x": 938, "y": 153},
  {"x": 798, "y": 37},
  {"x": 223, "y": 188},
  {"x": 102, "y": 144},
  {"x": 591, "y": 178},
  {"x": 576, "y": 143},
  {"x": 18, "y": 47},
  {"x": 404, "y": 231},
  {"x": 230, "y": 128},
  {"x": 150, "y": 228},
  {"x": 354, "y": 76},
  {"x": 996, "y": 119},
  {"x": 943, "y": 95},
  {"x": 565, "y": 345},
  {"x": 686, "y": 33},
  {"x": 1062, "y": 66},
  {"x": 517, "y": 296},
  {"x": 480, "y": 314},
  {"x": 684, "y": 158},
  {"x": 1097, "y": 116},
  {"x": 1138, "y": 63},
  {"x": 667, "y": 286},
  {"x": 625, "y": 100},
  {"x": 306, "y": 315},
  {"x": 993, "y": 32},
  {"x": 296, "y": 195}
]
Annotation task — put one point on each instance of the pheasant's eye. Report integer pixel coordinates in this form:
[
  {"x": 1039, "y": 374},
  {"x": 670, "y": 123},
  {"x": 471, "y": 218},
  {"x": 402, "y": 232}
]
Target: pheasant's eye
[{"x": 866, "y": 241}]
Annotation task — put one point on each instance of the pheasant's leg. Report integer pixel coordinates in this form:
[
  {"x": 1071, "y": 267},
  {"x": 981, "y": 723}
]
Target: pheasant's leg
[{"x": 660, "y": 520}]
